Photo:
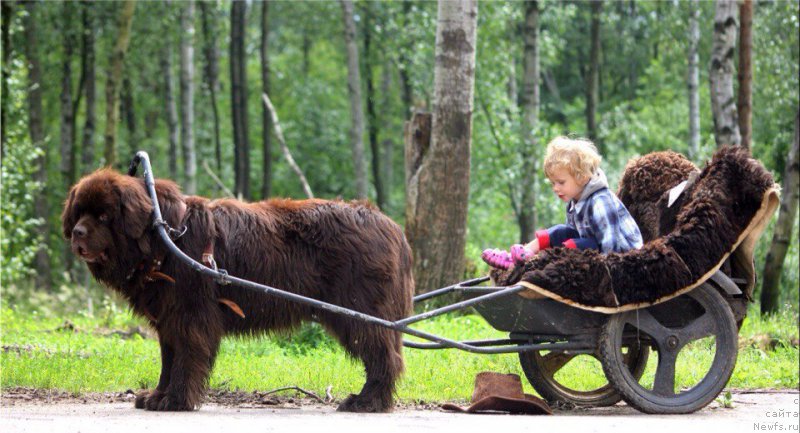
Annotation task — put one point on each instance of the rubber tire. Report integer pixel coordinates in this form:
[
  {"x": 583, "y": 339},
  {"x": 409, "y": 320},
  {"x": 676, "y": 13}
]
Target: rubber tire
[
  {"x": 706, "y": 390},
  {"x": 557, "y": 394}
]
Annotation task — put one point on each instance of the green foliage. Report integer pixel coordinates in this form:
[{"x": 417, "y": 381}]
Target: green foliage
[
  {"x": 20, "y": 237},
  {"x": 643, "y": 101},
  {"x": 110, "y": 352}
]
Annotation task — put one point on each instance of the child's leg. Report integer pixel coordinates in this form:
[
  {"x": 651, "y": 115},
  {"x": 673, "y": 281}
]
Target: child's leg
[
  {"x": 582, "y": 244},
  {"x": 553, "y": 237},
  {"x": 556, "y": 236}
]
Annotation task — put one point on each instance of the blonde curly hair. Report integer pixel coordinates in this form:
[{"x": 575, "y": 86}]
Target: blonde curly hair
[{"x": 576, "y": 155}]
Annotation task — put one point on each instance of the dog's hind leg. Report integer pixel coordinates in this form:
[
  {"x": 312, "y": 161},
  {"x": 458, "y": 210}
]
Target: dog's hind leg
[{"x": 380, "y": 350}]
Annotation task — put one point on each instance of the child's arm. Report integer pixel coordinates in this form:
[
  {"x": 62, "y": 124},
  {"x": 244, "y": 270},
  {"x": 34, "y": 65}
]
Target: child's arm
[{"x": 553, "y": 237}]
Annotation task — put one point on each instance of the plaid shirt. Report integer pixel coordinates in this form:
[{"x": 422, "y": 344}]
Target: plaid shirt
[{"x": 602, "y": 217}]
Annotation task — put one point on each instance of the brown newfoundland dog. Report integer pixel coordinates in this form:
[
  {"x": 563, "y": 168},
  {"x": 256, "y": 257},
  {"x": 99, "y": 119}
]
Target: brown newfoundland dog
[{"x": 343, "y": 253}]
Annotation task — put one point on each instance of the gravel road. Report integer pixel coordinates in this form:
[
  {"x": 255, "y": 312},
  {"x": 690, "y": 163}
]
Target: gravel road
[{"x": 762, "y": 411}]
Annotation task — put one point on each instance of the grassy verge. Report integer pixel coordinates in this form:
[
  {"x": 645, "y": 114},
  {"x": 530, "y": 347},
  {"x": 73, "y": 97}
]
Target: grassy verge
[{"x": 100, "y": 353}]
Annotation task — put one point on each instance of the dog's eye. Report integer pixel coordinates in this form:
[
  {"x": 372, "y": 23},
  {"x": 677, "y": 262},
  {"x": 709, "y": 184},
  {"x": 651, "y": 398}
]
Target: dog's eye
[{"x": 103, "y": 218}]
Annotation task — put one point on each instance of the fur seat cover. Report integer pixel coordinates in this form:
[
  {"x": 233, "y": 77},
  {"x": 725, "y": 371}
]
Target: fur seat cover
[{"x": 716, "y": 221}]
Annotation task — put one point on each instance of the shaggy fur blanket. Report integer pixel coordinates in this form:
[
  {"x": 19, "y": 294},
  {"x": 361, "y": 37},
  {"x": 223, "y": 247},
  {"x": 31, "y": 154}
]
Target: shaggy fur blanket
[{"x": 715, "y": 221}]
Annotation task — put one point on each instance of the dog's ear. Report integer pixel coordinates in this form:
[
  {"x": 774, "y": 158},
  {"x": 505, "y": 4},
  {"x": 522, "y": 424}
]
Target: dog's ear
[
  {"x": 69, "y": 217},
  {"x": 134, "y": 206}
]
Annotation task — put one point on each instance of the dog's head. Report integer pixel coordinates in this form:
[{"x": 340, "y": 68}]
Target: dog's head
[{"x": 107, "y": 217}]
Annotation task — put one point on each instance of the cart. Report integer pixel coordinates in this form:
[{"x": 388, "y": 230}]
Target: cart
[{"x": 548, "y": 335}]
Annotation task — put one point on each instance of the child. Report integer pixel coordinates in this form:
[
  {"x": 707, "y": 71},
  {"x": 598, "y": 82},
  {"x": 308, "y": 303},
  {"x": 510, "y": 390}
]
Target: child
[{"x": 596, "y": 218}]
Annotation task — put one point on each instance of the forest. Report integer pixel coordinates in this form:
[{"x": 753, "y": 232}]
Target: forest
[{"x": 87, "y": 84}]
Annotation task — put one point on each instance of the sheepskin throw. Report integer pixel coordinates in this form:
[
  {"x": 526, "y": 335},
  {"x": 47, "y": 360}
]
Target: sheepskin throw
[{"x": 714, "y": 222}]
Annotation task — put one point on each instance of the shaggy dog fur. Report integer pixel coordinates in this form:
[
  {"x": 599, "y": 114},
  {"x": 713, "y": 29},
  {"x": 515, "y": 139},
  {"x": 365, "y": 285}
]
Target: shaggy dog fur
[
  {"x": 642, "y": 188},
  {"x": 344, "y": 253},
  {"x": 719, "y": 205}
]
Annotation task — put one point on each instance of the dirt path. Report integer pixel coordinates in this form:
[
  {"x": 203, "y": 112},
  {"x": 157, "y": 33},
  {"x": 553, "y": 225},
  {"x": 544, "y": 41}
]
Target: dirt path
[{"x": 21, "y": 412}]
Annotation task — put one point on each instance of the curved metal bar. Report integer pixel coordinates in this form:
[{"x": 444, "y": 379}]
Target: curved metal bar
[{"x": 222, "y": 277}]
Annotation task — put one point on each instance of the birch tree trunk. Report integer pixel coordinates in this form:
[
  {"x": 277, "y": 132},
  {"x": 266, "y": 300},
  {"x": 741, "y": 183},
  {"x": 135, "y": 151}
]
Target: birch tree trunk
[
  {"x": 36, "y": 128},
  {"x": 211, "y": 53},
  {"x": 526, "y": 217},
  {"x": 89, "y": 87},
  {"x": 266, "y": 118},
  {"x": 114, "y": 79},
  {"x": 187, "y": 98},
  {"x": 723, "y": 104},
  {"x": 593, "y": 75},
  {"x": 438, "y": 187},
  {"x": 745, "y": 100},
  {"x": 356, "y": 107},
  {"x": 782, "y": 236},
  {"x": 693, "y": 79},
  {"x": 239, "y": 99}
]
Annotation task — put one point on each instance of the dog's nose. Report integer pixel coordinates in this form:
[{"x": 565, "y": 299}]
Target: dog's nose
[{"x": 79, "y": 231}]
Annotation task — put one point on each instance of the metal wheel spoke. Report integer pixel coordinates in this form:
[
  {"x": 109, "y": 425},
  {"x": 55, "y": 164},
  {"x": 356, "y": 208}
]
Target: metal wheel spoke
[
  {"x": 664, "y": 383},
  {"x": 645, "y": 321},
  {"x": 555, "y": 361},
  {"x": 701, "y": 327}
]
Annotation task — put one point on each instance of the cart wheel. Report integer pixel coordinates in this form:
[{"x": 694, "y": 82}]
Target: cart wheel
[
  {"x": 541, "y": 369},
  {"x": 699, "y": 315}
]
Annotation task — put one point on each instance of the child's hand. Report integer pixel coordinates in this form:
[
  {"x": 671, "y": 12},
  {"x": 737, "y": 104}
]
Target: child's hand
[{"x": 522, "y": 253}]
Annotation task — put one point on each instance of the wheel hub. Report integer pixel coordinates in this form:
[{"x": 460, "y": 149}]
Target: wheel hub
[{"x": 672, "y": 342}]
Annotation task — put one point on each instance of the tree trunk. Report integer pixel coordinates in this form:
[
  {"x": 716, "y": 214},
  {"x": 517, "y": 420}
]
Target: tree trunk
[
  {"x": 693, "y": 79},
  {"x": 593, "y": 76},
  {"x": 266, "y": 132},
  {"x": 782, "y": 236},
  {"x": 406, "y": 65},
  {"x": 212, "y": 72},
  {"x": 526, "y": 217},
  {"x": 128, "y": 113},
  {"x": 114, "y": 77},
  {"x": 238, "y": 63},
  {"x": 723, "y": 105},
  {"x": 7, "y": 11},
  {"x": 387, "y": 147},
  {"x": 372, "y": 117},
  {"x": 356, "y": 108},
  {"x": 36, "y": 127},
  {"x": 171, "y": 108},
  {"x": 745, "y": 100},
  {"x": 438, "y": 188},
  {"x": 89, "y": 87},
  {"x": 187, "y": 99},
  {"x": 67, "y": 114},
  {"x": 306, "y": 51}
]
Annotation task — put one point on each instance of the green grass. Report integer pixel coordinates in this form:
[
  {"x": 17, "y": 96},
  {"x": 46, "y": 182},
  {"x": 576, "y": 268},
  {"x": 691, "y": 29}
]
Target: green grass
[{"x": 37, "y": 353}]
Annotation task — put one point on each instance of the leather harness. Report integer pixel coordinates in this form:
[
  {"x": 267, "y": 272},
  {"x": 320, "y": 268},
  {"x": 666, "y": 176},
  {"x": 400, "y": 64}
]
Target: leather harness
[{"x": 154, "y": 274}]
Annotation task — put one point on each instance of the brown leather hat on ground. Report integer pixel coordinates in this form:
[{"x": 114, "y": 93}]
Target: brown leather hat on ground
[{"x": 498, "y": 392}]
